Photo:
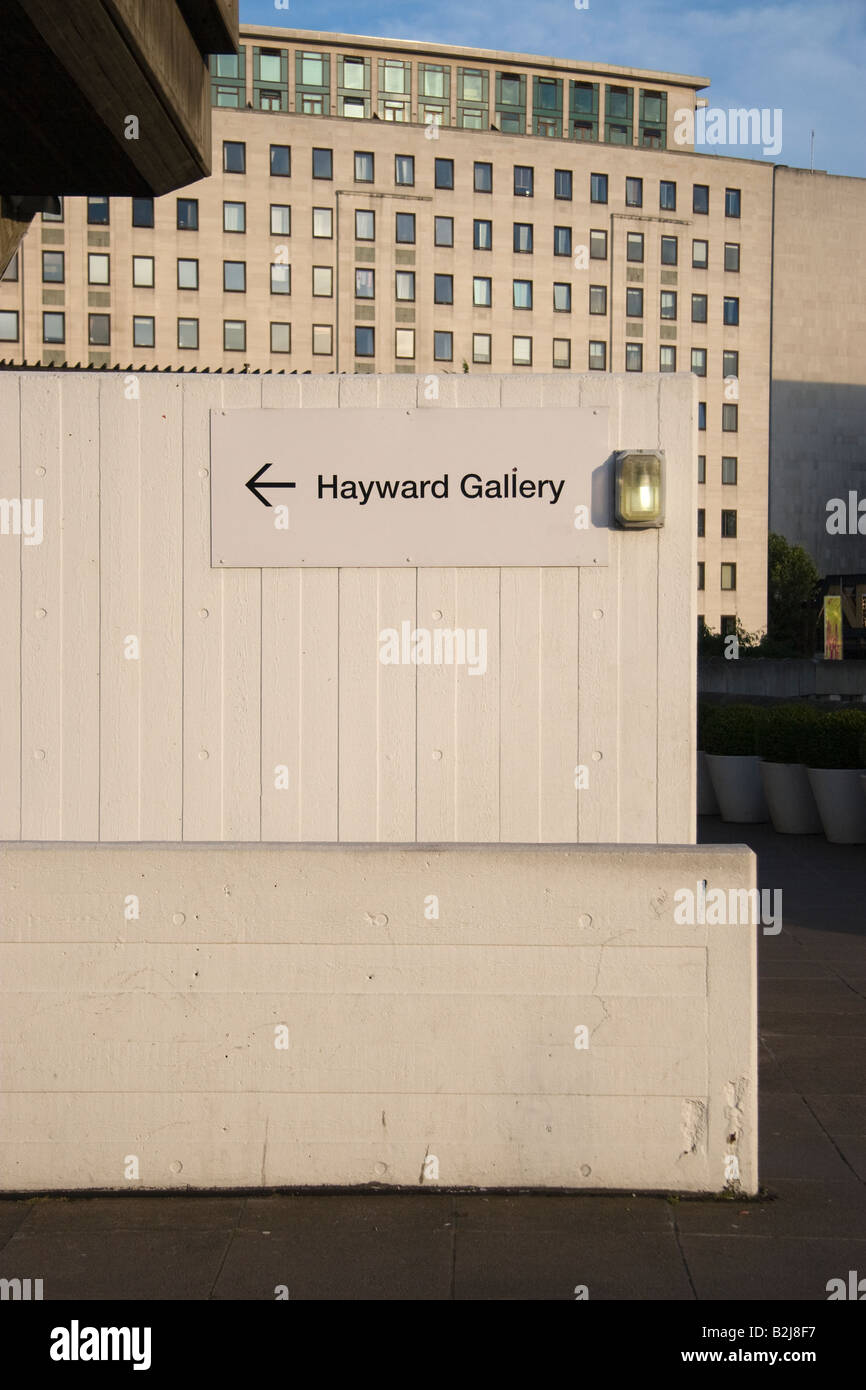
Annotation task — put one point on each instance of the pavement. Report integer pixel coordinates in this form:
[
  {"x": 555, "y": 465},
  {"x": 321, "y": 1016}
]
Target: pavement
[{"x": 809, "y": 1225}]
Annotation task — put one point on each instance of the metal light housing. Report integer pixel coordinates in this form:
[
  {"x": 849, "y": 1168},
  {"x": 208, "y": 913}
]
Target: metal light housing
[{"x": 639, "y": 489}]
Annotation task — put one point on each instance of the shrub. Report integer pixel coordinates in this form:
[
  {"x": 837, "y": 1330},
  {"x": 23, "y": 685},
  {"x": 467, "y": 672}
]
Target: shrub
[
  {"x": 836, "y": 740},
  {"x": 783, "y": 730},
  {"x": 733, "y": 730}
]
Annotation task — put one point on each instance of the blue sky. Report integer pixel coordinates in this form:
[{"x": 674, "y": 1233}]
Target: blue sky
[{"x": 805, "y": 57}]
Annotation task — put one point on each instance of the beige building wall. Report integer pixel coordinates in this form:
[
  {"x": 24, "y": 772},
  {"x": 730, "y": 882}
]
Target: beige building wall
[
  {"x": 148, "y": 696},
  {"x": 556, "y": 337},
  {"x": 819, "y": 364},
  {"x": 411, "y": 1017}
]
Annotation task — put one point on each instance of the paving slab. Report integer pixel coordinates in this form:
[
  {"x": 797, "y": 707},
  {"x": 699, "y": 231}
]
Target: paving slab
[
  {"x": 328, "y": 1264},
  {"x": 506, "y": 1265},
  {"x": 179, "y": 1264},
  {"x": 762, "y": 1268}
]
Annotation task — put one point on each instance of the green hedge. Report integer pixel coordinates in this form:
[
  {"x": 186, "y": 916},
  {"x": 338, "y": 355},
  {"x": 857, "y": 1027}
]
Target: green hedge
[
  {"x": 836, "y": 740},
  {"x": 783, "y": 731},
  {"x": 731, "y": 730}
]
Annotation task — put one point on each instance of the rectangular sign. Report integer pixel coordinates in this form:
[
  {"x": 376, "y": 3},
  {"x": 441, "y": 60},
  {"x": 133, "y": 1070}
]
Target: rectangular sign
[
  {"x": 422, "y": 487},
  {"x": 833, "y": 628}
]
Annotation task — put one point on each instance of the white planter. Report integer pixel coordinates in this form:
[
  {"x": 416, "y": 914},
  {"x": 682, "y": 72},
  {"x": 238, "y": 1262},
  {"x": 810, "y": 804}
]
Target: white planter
[
  {"x": 738, "y": 788},
  {"x": 790, "y": 800},
  {"x": 840, "y": 803},
  {"x": 707, "y": 804}
]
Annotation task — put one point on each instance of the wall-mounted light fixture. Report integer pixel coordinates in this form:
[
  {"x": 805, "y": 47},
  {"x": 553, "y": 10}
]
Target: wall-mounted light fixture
[{"x": 639, "y": 489}]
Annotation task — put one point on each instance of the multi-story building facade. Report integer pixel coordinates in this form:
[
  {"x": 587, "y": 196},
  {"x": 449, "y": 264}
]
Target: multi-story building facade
[{"x": 404, "y": 207}]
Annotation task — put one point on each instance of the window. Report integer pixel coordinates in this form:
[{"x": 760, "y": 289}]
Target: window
[
  {"x": 143, "y": 332},
  {"x": 562, "y": 184},
  {"x": 142, "y": 272},
  {"x": 699, "y": 308},
  {"x": 730, "y": 418},
  {"x": 404, "y": 170},
  {"x": 281, "y": 338},
  {"x": 598, "y": 188},
  {"x": 9, "y": 326},
  {"x": 405, "y": 285},
  {"x": 234, "y": 335},
  {"x": 312, "y": 70},
  {"x": 598, "y": 246},
  {"x": 365, "y": 342},
  {"x": 354, "y": 74},
  {"x": 562, "y": 298},
  {"x": 700, "y": 254},
  {"x": 667, "y": 359},
  {"x": 729, "y": 525},
  {"x": 270, "y": 66},
  {"x": 281, "y": 161},
  {"x": 729, "y": 576},
  {"x": 443, "y": 231},
  {"x": 562, "y": 241},
  {"x": 731, "y": 310},
  {"x": 482, "y": 235},
  {"x": 702, "y": 415},
  {"x": 99, "y": 330},
  {"x": 234, "y": 157},
  {"x": 365, "y": 226},
  {"x": 11, "y": 271},
  {"x": 404, "y": 345},
  {"x": 281, "y": 219},
  {"x": 597, "y": 357},
  {"x": 365, "y": 284},
  {"x": 522, "y": 294},
  {"x": 323, "y": 164},
  {"x": 562, "y": 352},
  {"x": 728, "y": 625},
  {"x": 443, "y": 347},
  {"x": 142, "y": 214},
  {"x": 406, "y": 227},
  {"x": 187, "y": 333},
  {"x": 634, "y": 246},
  {"x": 699, "y": 361},
  {"x": 365, "y": 166},
  {"x": 187, "y": 275},
  {"x": 323, "y": 281},
  {"x": 523, "y": 236},
  {"x": 234, "y": 217},
  {"x": 432, "y": 80},
  {"x": 669, "y": 250},
  {"x": 281, "y": 279},
  {"x": 634, "y": 357},
  {"x": 187, "y": 215},
  {"x": 667, "y": 196},
  {"x": 732, "y": 202},
  {"x": 482, "y": 291},
  {"x": 98, "y": 213},
  {"x": 521, "y": 352},
  {"x": 701, "y": 198},
  {"x": 524, "y": 181},
  {"x": 598, "y": 299},
  {"x": 323, "y": 222},
  {"x": 483, "y": 178},
  {"x": 702, "y": 468},
  {"x": 702, "y": 523},
  {"x": 730, "y": 364},
  {"x": 481, "y": 347},
  {"x": 443, "y": 289},
  {"x": 634, "y": 303},
  {"x": 443, "y": 176},
  {"x": 668, "y": 307},
  {"x": 701, "y": 573},
  {"x": 634, "y": 193},
  {"x": 729, "y": 471},
  {"x": 53, "y": 328},
  {"x": 54, "y": 268},
  {"x": 323, "y": 340},
  {"x": 54, "y": 216},
  {"x": 732, "y": 255}
]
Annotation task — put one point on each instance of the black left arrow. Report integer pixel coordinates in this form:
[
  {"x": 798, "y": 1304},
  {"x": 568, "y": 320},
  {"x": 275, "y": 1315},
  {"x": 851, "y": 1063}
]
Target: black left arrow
[{"x": 256, "y": 490}]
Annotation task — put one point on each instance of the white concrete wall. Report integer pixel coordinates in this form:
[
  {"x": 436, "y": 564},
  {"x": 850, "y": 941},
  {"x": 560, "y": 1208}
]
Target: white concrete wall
[
  {"x": 244, "y": 670},
  {"x": 410, "y": 1037}
]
